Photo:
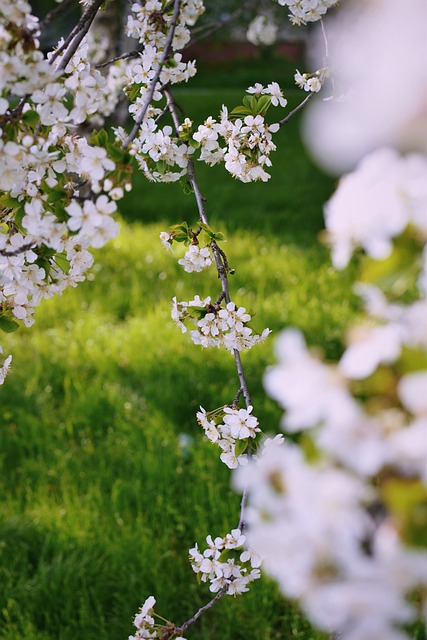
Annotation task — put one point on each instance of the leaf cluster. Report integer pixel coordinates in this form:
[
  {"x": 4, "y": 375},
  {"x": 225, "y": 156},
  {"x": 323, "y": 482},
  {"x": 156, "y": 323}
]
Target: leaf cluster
[{"x": 252, "y": 106}]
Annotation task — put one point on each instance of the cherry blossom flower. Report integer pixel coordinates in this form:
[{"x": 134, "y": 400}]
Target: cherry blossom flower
[
  {"x": 196, "y": 259},
  {"x": 262, "y": 31}
]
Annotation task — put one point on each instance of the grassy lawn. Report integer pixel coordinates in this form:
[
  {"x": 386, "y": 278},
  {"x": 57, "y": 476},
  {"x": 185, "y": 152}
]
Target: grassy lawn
[{"x": 106, "y": 481}]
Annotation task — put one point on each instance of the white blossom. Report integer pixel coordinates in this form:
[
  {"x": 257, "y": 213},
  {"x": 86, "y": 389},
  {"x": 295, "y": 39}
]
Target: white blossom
[
  {"x": 380, "y": 98},
  {"x": 262, "y": 30},
  {"x": 375, "y": 203}
]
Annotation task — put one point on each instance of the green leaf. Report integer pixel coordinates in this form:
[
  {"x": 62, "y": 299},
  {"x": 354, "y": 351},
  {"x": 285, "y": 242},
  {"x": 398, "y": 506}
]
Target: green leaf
[
  {"x": 62, "y": 262},
  {"x": 263, "y": 104},
  {"x": 241, "y": 111},
  {"x": 193, "y": 143},
  {"x": 102, "y": 138},
  {"x": 218, "y": 236},
  {"x": 99, "y": 138},
  {"x": 183, "y": 226},
  {"x": 19, "y": 216},
  {"x": 60, "y": 213},
  {"x": 7, "y": 325},
  {"x": 412, "y": 360},
  {"x": 115, "y": 153},
  {"x": 43, "y": 263},
  {"x": 407, "y": 501},
  {"x": 396, "y": 274},
  {"x": 247, "y": 102},
  {"x": 181, "y": 237},
  {"x": 7, "y": 202},
  {"x": 161, "y": 167},
  {"x": 31, "y": 118},
  {"x": 241, "y": 446},
  {"x": 46, "y": 252},
  {"x": 55, "y": 195},
  {"x": 134, "y": 92}
]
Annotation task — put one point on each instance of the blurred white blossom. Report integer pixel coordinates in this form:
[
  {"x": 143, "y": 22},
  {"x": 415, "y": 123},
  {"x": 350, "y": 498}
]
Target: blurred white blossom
[{"x": 378, "y": 59}]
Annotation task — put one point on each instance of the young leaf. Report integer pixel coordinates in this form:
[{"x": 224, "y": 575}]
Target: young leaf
[
  {"x": 183, "y": 226},
  {"x": 31, "y": 118},
  {"x": 218, "y": 236},
  {"x": 114, "y": 152},
  {"x": 62, "y": 262},
  {"x": 247, "y": 102},
  {"x": 240, "y": 447},
  {"x": 7, "y": 325},
  {"x": 263, "y": 104},
  {"x": 102, "y": 138},
  {"x": 241, "y": 111}
]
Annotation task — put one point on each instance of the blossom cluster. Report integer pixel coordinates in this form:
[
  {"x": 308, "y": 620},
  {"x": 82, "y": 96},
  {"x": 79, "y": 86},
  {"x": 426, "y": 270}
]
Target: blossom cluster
[
  {"x": 310, "y": 81},
  {"x": 196, "y": 259},
  {"x": 159, "y": 151},
  {"x": 163, "y": 152},
  {"x": 303, "y": 11},
  {"x": 262, "y": 31},
  {"x": 375, "y": 203},
  {"x": 216, "y": 326},
  {"x": 224, "y": 572},
  {"x": 318, "y": 396},
  {"x": 369, "y": 110},
  {"x": 200, "y": 252},
  {"x": 348, "y": 568},
  {"x": 225, "y": 427},
  {"x": 244, "y": 145},
  {"x": 337, "y": 529},
  {"x": 58, "y": 191},
  {"x": 5, "y": 367},
  {"x": 146, "y": 627}
]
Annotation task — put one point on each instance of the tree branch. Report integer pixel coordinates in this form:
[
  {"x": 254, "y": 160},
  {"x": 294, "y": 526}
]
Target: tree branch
[
  {"x": 124, "y": 56},
  {"x": 206, "y": 30},
  {"x": 168, "y": 43},
  {"x": 222, "y": 271},
  {"x": 298, "y": 108},
  {"x": 77, "y": 34},
  {"x": 16, "y": 252},
  {"x": 201, "y": 611}
]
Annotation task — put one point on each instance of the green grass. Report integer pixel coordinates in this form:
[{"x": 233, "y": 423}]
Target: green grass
[{"x": 100, "y": 499}]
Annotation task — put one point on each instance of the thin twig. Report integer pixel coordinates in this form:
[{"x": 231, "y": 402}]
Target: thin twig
[
  {"x": 198, "y": 613},
  {"x": 219, "y": 299},
  {"x": 221, "y": 269},
  {"x": 243, "y": 503},
  {"x": 16, "y": 252},
  {"x": 59, "y": 9},
  {"x": 130, "y": 54},
  {"x": 161, "y": 115},
  {"x": 221, "y": 261},
  {"x": 298, "y": 108},
  {"x": 86, "y": 19},
  {"x": 237, "y": 397},
  {"x": 325, "y": 40},
  {"x": 206, "y": 30},
  {"x": 168, "y": 43}
]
